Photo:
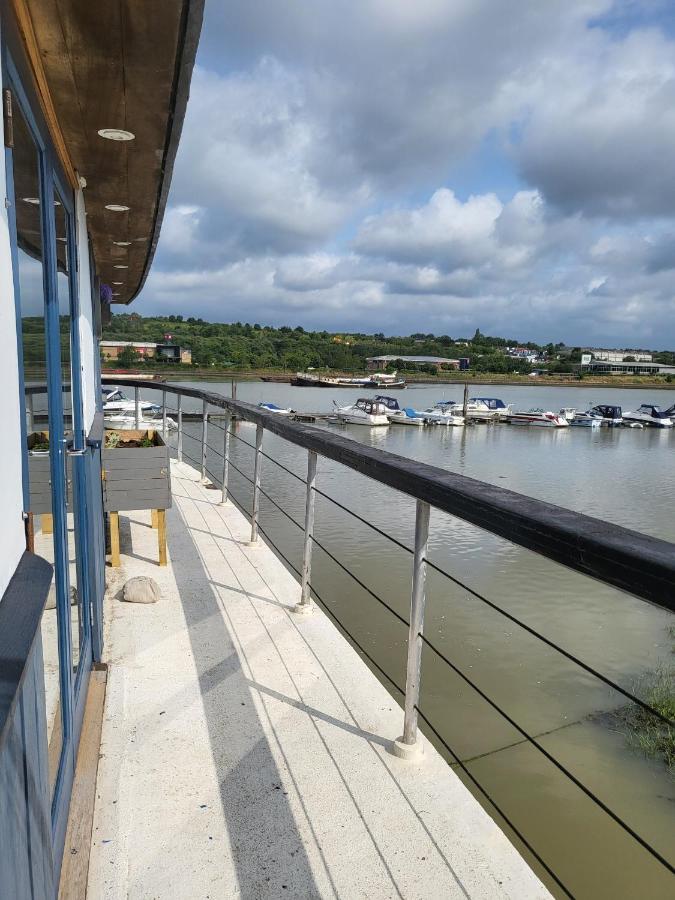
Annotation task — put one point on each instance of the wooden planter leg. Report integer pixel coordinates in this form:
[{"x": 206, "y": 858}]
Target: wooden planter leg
[
  {"x": 115, "y": 540},
  {"x": 161, "y": 535},
  {"x": 153, "y": 513}
]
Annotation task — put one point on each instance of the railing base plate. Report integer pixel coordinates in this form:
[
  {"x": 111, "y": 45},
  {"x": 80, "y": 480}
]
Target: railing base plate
[
  {"x": 410, "y": 752},
  {"x": 303, "y": 609}
]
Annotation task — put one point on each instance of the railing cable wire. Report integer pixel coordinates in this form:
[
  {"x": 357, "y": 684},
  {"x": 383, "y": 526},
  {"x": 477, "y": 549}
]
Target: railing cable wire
[
  {"x": 528, "y": 737},
  {"x": 494, "y": 804}
]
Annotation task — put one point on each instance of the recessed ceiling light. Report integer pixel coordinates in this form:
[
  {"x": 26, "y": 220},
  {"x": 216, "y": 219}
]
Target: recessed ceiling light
[
  {"x": 33, "y": 200},
  {"x": 116, "y": 207},
  {"x": 63, "y": 240},
  {"x": 121, "y": 267},
  {"x": 57, "y": 203},
  {"x": 116, "y": 134},
  {"x": 122, "y": 243},
  {"x": 116, "y": 293},
  {"x": 117, "y": 283}
]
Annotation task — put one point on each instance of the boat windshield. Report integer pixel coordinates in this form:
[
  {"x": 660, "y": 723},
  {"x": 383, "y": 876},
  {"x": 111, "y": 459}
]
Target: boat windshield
[
  {"x": 490, "y": 402},
  {"x": 389, "y": 402}
]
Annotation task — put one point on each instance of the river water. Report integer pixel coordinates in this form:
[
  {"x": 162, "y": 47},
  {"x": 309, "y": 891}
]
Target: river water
[{"x": 622, "y": 475}]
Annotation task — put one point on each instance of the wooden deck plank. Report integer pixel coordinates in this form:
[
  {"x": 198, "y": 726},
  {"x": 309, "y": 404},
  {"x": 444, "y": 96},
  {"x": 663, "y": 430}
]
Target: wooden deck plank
[{"x": 75, "y": 868}]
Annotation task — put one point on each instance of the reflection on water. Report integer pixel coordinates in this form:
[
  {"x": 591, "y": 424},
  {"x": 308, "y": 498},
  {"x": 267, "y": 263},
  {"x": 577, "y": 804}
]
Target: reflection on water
[{"x": 624, "y": 476}]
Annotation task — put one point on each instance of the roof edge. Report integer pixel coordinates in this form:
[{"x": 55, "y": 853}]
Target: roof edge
[{"x": 191, "y": 26}]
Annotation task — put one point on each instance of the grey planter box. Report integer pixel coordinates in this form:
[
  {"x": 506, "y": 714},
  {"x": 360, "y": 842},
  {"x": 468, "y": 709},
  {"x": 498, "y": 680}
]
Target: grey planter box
[
  {"x": 136, "y": 477},
  {"x": 40, "y": 476}
]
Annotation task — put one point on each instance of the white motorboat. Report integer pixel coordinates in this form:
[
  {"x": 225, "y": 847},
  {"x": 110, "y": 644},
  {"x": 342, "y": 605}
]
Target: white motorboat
[
  {"x": 128, "y": 423},
  {"x": 407, "y": 416},
  {"x": 277, "y": 410},
  {"x": 539, "y": 417},
  {"x": 117, "y": 403},
  {"x": 442, "y": 414},
  {"x": 609, "y": 416},
  {"x": 584, "y": 420},
  {"x": 363, "y": 412},
  {"x": 488, "y": 408},
  {"x": 648, "y": 414},
  {"x": 568, "y": 412},
  {"x": 399, "y": 416}
]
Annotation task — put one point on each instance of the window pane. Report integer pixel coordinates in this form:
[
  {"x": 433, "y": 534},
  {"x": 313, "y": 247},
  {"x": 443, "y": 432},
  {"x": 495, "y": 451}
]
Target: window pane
[{"x": 25, "y": 162}]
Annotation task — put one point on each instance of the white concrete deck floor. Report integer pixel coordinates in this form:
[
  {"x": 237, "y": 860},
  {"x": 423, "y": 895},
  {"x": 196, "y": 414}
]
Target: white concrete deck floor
[{"x": 244, "y": 748}]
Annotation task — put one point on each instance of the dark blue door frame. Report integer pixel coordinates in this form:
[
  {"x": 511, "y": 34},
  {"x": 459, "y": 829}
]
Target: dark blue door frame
[{"x": 73, "y": 683}]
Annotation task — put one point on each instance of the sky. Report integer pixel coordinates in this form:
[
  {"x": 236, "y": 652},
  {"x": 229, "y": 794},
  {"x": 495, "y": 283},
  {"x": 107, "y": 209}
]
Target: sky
[{"x": 429, "y": 166}]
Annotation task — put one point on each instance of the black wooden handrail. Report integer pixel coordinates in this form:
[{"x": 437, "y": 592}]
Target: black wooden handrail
[{"x": 637, "y": 563}]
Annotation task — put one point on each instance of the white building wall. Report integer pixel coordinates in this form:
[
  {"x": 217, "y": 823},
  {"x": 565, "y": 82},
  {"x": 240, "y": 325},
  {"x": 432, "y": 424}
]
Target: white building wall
[
  {"x": 88, "y": 342},
  {"x": 12, "y": 533}
]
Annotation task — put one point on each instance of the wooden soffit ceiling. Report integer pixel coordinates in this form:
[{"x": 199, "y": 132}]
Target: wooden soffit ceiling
[{"x": 118, "y": 64}]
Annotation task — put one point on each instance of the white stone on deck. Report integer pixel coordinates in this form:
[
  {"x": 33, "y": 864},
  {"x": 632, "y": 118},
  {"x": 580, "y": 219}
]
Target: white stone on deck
[{"x": 245, "y": 749}]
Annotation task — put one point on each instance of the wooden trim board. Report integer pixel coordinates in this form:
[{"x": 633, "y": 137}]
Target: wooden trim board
[
  {"x": 75, "y": 868},
  {"x": 25, "y": 25}
]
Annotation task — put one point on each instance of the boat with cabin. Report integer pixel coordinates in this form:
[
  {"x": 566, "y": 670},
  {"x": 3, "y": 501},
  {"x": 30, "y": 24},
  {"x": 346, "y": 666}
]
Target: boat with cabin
[
  {"x": 364, "y": 412},
  {"x": 116, "y": 402},
  {"x": 483, "y": 408},
  {"x": 649, "y": 414},
  {"x": 442, "y": 413},
  {"x": 539, "y": 417},
  {"x": 583, "y": 420},
  {"x": 375, "y": 380},
  {"x": 608, "y": 415}
]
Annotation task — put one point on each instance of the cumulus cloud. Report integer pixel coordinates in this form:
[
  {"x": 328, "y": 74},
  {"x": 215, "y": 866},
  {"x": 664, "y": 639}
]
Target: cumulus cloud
[{"x": 322, "y": 175}]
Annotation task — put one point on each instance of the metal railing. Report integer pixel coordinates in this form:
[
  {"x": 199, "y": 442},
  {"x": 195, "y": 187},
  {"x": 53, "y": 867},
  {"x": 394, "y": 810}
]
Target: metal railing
[{"x": 636, "y": 563}]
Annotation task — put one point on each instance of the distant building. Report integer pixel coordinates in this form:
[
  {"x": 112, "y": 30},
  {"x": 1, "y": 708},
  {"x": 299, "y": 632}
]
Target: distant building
[
  {"x": 380, "y": 363},
  {"x": 605, "y": 367},
  {"x": 169, "y": 352},
  {"x": 617, "y": 356}
]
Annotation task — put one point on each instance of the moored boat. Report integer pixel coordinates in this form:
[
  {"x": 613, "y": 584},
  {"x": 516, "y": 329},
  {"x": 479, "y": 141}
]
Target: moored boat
[
  {"x": 278, "y": 410},
  {"x": 539, "y": 417},
  {"x": 584, "y": 420},
  {"x": 398, "y": 415},
  {"x": 363, "y": 412},
  {"x": 115, "y": 402},
  {"x": 442, "y": 413},
  {"x": 610, "y": 416},
  {"x": 649, "y": 414}
]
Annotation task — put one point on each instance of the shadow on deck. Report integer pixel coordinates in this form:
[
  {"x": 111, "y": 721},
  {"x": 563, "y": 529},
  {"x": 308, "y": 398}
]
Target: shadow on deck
[{"x": 244, "y": 750}]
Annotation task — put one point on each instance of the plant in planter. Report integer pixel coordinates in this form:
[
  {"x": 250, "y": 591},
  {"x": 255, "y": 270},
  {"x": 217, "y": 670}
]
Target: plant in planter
[{"x": 135, "y": 476}]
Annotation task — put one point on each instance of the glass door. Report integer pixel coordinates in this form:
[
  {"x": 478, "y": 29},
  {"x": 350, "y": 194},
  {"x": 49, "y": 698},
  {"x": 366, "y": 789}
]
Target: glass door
[
  {"x": 43, "y": 471},
  {"x": 55, "y": 451}
]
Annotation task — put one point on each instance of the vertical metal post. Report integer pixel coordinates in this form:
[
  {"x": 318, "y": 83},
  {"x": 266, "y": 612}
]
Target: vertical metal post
[
  {"x": 305, "y": 604},
  {"x": 256, "y": 484},
  {"x": 164, "y": 416},
  {"x": 31, "y": 412},
  {"x": 137, "y": 406},
  {"x": 205, "y": 426},
  {"x": 226, "y": 456},
  {"x": 406, "y": 745},
  {"x": 180, "y": 428},
  {"x": 465, "y": 402}
]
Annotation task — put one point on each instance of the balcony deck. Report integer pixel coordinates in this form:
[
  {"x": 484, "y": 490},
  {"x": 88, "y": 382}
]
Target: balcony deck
[{"x": 245, "y": 749}]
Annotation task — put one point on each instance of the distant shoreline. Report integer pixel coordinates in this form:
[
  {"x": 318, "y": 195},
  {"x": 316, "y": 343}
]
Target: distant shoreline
[{"x": 175, "y": 373}]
